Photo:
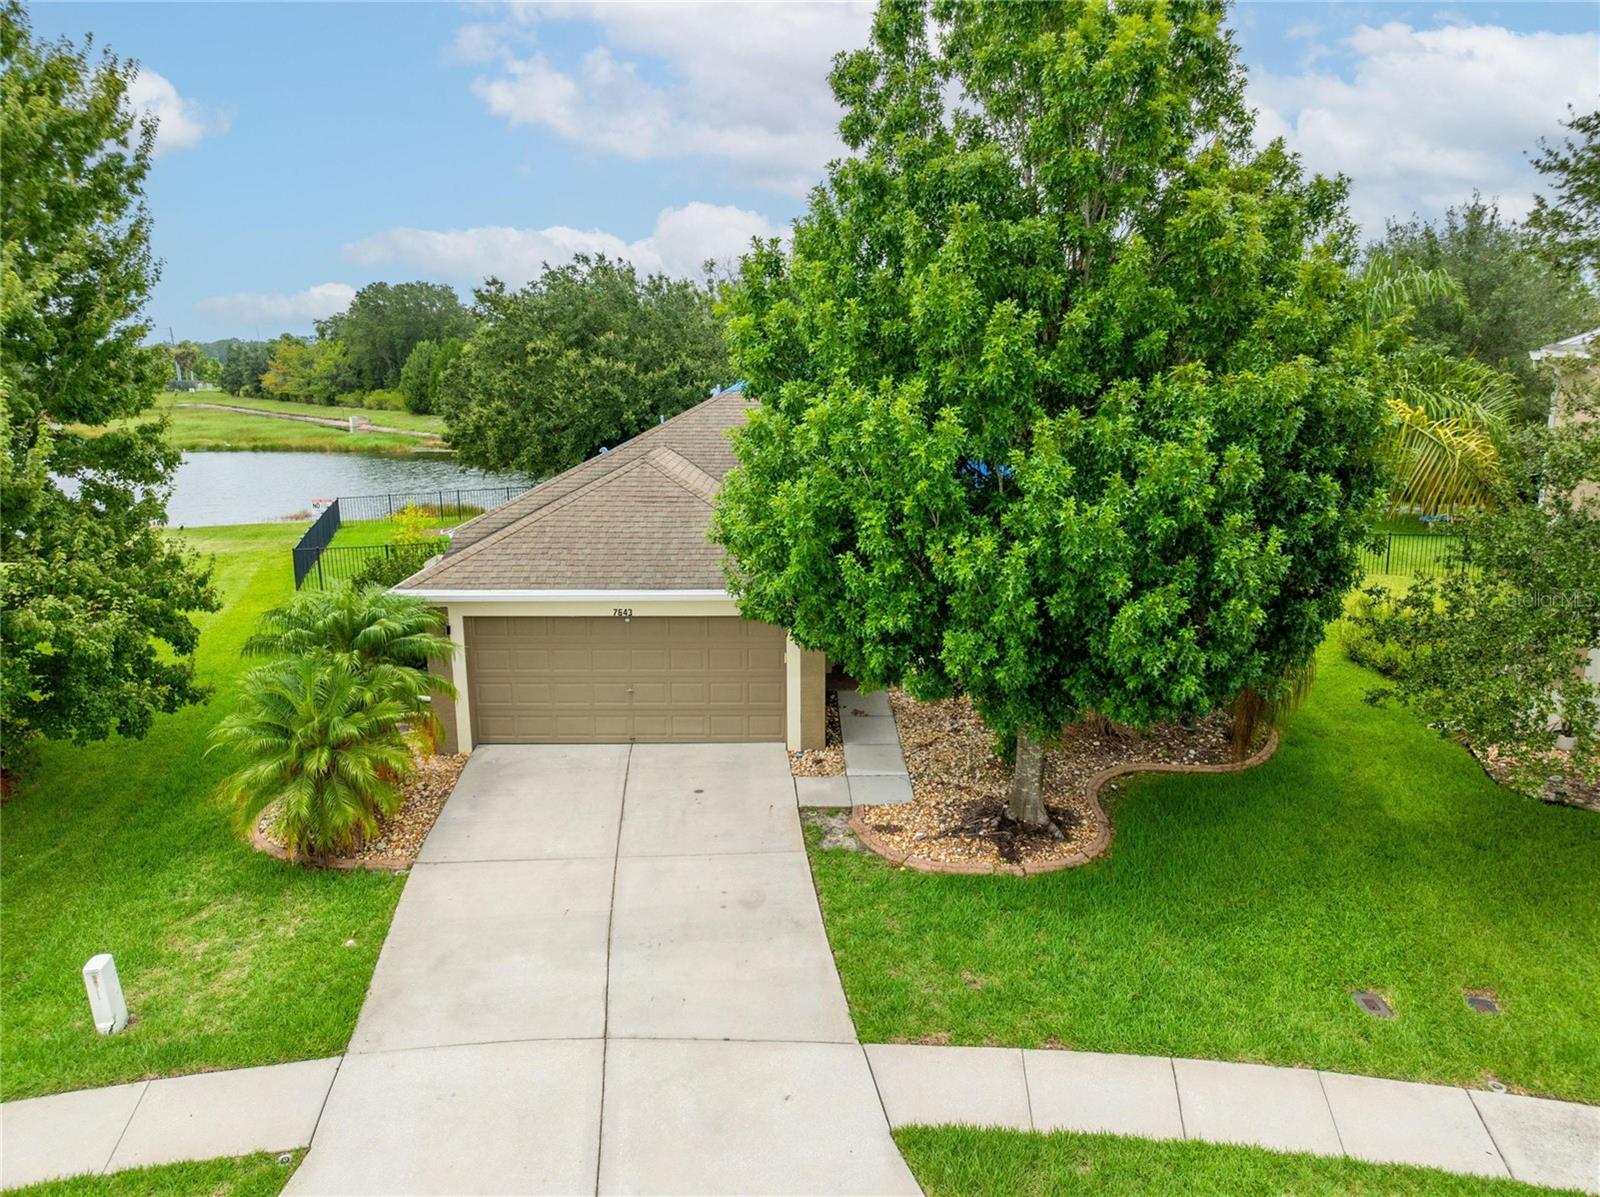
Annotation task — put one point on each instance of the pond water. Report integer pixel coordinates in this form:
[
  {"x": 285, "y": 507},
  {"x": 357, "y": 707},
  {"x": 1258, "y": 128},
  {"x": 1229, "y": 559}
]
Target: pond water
[{"x": 259, "y": 488}]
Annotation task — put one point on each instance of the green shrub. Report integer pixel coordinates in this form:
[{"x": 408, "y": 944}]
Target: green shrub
[
  {"x": 399, "y": 563},
  {"x": 383, "y": 401},
  {"x": 1365, "y": 631}
]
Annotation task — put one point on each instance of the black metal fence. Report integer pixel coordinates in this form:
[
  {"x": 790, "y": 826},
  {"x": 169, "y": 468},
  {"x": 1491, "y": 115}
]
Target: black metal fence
[
  {"x": 340, "y": 563},
  {"x": 447, "y": 503},
  {"x": 1414, "y": 554},
  {"x": 318, "y": 561},
  {"x": 315, "y": 542}
]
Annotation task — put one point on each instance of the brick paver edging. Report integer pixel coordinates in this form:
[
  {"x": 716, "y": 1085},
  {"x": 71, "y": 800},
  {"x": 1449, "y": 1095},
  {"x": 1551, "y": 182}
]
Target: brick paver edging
[{"x": 1082, "y": 856}]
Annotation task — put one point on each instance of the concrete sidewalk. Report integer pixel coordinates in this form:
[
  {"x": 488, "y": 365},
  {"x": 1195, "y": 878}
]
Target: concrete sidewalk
[
  {"x": 1286, "y": 1109},
  {"x": 195, "y": 1117}
]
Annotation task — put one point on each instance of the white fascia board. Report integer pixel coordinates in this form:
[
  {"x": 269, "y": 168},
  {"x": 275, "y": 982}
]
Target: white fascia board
[{"x": 566, "y": 596}]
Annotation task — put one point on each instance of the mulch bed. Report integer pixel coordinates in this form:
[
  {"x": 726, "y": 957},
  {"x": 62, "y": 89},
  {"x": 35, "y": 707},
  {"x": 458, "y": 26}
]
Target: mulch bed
[
  {"x": 1563, "y": 787},
  {"x": 827, "y": 761},
  {"x": 399, "y": 837},
  {"x": 956, "y": 820}
]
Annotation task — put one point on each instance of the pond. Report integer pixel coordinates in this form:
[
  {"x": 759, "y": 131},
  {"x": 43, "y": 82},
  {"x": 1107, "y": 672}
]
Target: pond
[{"x": 260, "y": 488}]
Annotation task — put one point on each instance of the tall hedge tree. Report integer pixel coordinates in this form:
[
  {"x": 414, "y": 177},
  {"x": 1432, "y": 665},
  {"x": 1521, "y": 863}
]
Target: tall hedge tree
[
  {"x": 1063, "y": 402},
  {"x": 1568, "y": 219},
  {"x": 382, "y": 325},
  {"x": 586, "y": 355},
  {"x": 94, "y": 598}
]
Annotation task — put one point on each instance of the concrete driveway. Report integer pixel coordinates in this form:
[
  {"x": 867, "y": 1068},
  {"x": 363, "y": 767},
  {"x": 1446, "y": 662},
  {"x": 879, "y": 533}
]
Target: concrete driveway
[{"x": 608, "y": 973}]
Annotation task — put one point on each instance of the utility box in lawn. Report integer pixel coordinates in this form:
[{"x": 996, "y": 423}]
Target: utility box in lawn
[{"x": 105, "y": 994}]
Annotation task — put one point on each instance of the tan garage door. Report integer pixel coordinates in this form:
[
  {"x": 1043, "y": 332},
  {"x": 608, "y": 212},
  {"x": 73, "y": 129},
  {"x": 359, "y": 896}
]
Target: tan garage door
[{"x": 602, "y": 679}]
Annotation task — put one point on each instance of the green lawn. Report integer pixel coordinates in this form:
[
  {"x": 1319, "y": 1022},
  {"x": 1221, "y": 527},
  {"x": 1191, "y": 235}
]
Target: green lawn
[
  {"x": 228, "y": 958},
  {"x": 203, "y": 429},
  {"x": 193, "y": 428},
  {"x": 368, "y": 532},
  {"x": 1236, "y": 912},
  {"x": 960, "y": 1161},
  {"x": 257, "y": 1175},
  {"x": 391, "y": 419}
]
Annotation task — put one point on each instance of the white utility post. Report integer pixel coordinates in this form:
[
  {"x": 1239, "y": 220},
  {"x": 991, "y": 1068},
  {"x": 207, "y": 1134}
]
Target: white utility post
[{"x": 105, "y": 994}]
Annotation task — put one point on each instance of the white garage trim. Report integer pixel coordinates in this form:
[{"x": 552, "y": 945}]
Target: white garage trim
[{"x": 459, "y": 606}]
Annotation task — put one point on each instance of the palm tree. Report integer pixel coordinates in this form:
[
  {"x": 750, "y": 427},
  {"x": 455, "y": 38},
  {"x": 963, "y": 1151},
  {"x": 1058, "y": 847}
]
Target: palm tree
[
  {"x": 386, "y": 638},
  {"x": 318, "y": 742},
  {"x": 1451, "y": 417}
]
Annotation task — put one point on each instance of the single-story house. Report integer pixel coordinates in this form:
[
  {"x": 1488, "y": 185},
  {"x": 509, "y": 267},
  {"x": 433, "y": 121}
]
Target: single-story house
[{"x": 593, "y": 608}]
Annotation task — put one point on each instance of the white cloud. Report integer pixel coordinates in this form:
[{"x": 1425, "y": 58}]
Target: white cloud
[
  {"x": 181, "y": 124},
  {"x": 297, "y": 310},
  {"x": 1423, "y": 117},
  {"x": 743, "y": 83},
  {"x": 683, "y": 238}
]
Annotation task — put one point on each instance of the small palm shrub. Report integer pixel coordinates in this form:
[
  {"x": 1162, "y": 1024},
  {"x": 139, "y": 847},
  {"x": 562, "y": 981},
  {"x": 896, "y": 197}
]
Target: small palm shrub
[
  {"x": 326, "y": 729},
  {"x": 387, "y": 638},
  {"x": 324, "y": 744}
]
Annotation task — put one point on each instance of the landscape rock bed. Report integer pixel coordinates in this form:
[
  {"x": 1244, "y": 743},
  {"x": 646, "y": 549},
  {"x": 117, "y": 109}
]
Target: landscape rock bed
[
  {"x": 399, "y": 838},
  {"x": 956, "y": 820},
  {"x": 827, "y": 761},
  {"x": 1563, "y": 786}
]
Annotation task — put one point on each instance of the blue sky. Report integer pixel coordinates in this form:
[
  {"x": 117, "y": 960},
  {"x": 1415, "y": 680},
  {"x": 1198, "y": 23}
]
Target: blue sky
[{"x": 307, "y": 149}]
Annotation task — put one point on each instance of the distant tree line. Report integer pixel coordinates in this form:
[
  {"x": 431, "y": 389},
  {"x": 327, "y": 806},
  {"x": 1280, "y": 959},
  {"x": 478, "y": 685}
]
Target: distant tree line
[{"x": 358, "y": 357}]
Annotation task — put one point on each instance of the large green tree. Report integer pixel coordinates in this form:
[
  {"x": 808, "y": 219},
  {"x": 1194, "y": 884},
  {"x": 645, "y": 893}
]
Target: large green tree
[
  {"x": 586, "y": 355},
  {"x": 1508, "y": 297},
  {"x": 1569, "y": 217},
  {"x": 1062, "y": 403},
  {"x": 95, "y": 599},
  {"x": 384, "y": 323},
  {"x": 242, "y": 368}
]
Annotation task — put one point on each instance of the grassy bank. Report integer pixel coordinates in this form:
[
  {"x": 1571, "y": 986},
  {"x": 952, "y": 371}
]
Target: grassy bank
[
  {"x": 228, "y": 958},
  {"x": 961, "y": 1161},
  {"x": 1235, "y": 913},
  {"x": 392, "y": 419},
  {"x": 192, "y": 428},
  {"x": 200, "y": 428}
]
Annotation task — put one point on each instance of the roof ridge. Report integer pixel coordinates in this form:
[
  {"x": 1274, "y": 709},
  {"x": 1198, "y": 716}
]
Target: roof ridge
[
  {"x": 538, "y": 513},
  {"x": 633, "y": 441},
  {"x": 684, "y": 472}
]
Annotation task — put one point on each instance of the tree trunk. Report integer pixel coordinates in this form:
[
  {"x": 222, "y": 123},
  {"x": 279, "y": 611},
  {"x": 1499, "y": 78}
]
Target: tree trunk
[{"x": 1027, "y": 784}]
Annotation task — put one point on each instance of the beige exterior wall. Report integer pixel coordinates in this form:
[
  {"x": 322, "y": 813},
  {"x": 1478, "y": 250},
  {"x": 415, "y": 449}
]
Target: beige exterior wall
[
  {"x": 807, "y": 709},
  {"x": 444, "y": 707}
]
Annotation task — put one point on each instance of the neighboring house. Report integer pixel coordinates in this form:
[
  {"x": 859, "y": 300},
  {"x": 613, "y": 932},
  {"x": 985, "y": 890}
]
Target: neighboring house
[
  {"x": 593, "y": 608},
  {"x": 1567, "y": 355}
]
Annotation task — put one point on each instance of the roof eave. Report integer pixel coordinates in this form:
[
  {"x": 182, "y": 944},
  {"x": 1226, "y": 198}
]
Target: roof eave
[{"x": 442, "y": 595}]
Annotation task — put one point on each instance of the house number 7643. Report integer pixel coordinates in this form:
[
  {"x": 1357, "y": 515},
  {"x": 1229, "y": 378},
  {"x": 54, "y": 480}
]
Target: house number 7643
[{"x": 624, "y": 612}]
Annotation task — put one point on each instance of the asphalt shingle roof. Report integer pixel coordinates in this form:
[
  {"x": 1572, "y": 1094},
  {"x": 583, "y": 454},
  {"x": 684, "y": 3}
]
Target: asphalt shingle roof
[{"x": 635, "y": 518}]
